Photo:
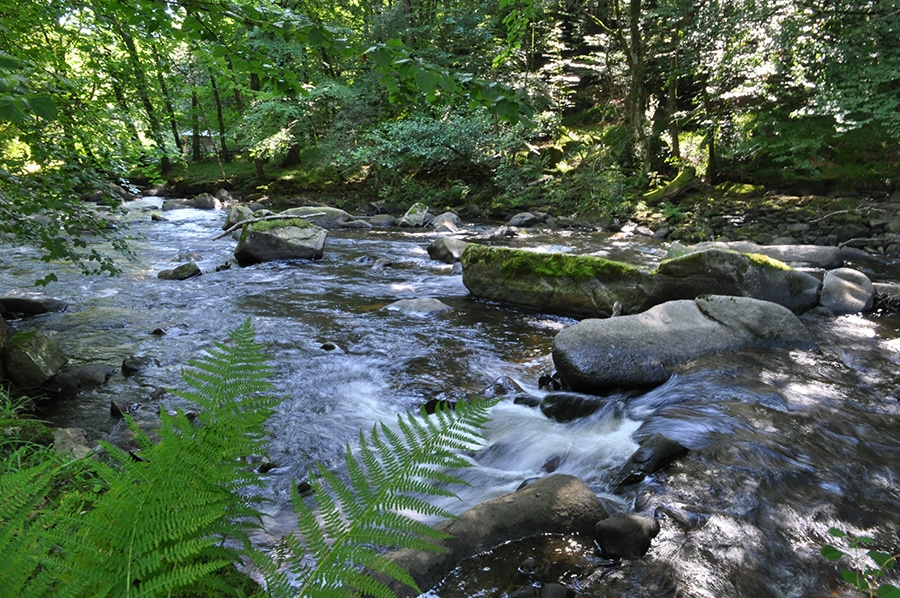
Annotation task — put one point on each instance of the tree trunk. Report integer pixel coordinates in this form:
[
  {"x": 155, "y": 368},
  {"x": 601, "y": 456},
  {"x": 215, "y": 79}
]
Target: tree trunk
[
  {"x": 226, "y": 156},
  {"x": 143, "y": 89},
  {"x": 173, "y": 122},
  {"x": 196, "y": 155},
  {"x": 637, "y": 101},
  {"x": 256, "y": 85}
]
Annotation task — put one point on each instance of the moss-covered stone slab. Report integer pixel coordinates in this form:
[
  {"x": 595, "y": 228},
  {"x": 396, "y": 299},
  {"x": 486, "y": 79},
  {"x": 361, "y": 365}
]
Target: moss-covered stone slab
[
  {"x": 281, "y": 239},
  {"x": 575, "y": 285}
]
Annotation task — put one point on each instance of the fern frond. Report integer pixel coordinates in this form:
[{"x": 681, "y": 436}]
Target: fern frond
[{"x": 351, "y": 522}]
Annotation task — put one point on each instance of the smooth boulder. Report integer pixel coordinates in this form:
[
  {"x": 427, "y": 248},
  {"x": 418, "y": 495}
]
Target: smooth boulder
[
  {"x": 847, "y": 291},
  {"x": 282, "y": 239},
  {"x": 555, "y": 504},
  {"x": 31, "y": 306},
  {"x": 446, "y": 249},
  {"x": 812, "y": 256},
  {"x": 598, "y": 355},
  {"x": 625, "y": 535}
]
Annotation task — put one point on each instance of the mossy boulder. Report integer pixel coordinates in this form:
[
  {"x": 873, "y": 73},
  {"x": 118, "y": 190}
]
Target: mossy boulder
[
  {"x": 32, "y": 358},
  {"x": 574, "y": 285},
  {"x": 281, "y": 239},
  {"x": 725, "y": 272},
  {"x": 589, "y": 286}
]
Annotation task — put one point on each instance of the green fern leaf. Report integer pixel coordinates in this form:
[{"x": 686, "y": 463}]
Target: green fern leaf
[{"x": 351, "y": 522}]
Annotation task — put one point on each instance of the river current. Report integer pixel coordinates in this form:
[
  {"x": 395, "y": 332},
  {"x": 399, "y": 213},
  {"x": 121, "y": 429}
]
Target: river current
[{"x": 783, "y": 444}]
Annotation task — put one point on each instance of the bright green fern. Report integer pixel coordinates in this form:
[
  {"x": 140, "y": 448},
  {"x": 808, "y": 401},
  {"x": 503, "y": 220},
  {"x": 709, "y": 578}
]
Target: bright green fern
[{"x": 341, "y": 553}]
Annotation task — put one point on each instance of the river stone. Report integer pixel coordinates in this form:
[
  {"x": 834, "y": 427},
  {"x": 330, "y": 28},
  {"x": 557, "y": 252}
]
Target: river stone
[
  {"x": 237, "y": 214},
  {"x": 446, "y": 249},
  {"x": 416, "y": 215},
  {"x": 325, "y": 217},
  {"x": 205, "y": 201},
  {"x": 725, "y": 272},
  {"x": 564, "y": 406},
  {"x": 598, "y": 355},
  {"x": 625, "y": 536},
  {"x": 556, "y": 504},
  {"x": 31, "y": 306},
  {"x": 656, "y": 451},
  {"x": 847, "y": 291},
  {"x": 526, "y": 219},
  {"x": 32, "y": 358},
  {"x": 382, "y": 220},
  {"x": 182, "y": 272},
  {"x": 284, "y": 239},
  {"x": 448, "y": 222},
  {"x": 572, "y": 285},
  {"x": 811, "y": 256},
  {"x": 421, "y": 306}
]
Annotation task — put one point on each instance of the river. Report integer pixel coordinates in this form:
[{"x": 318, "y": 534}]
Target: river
[{"x": 783, "y": 444}]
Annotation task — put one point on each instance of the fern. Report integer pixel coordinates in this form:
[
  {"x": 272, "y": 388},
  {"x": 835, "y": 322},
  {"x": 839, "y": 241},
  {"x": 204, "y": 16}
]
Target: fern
[
  {"x": 168, "y": 518},
  {"x": 343, "y": 537}
]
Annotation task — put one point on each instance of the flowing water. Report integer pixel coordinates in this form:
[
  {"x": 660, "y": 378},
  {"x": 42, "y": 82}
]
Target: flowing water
[{"x": 783, "y": 444}]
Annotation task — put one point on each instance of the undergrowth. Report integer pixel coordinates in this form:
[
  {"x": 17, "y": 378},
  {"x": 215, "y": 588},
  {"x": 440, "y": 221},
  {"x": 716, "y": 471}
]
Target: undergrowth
[{"x": 171, "y": 518}]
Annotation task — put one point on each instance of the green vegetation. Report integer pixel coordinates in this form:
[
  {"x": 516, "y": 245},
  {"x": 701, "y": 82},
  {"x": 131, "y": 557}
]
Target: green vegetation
[
  {"x": 868, "y": 567},
  {"x": 518, "y": 262},
  {"x": 172, "y": 518},
  {"x": 489, "y": 105}
]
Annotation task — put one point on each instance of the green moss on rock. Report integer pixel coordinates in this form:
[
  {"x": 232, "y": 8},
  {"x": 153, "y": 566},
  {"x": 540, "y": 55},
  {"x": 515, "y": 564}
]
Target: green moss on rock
[
  {"x": 517, "y": 262},
  {"x": 266, "y": 225}
]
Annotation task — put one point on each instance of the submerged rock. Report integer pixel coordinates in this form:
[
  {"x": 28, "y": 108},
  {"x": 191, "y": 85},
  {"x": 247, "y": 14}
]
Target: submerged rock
[
  {"x": 182, "y": 272},
  {"x": 655, "y": 453},
  {"x": 598, "y": 355},
  {"x": 422, "y": 306},
  {"x": 283, "y": 239},
  {"x": 552, "y": 505},
  {"x": 626, "y": 536}
]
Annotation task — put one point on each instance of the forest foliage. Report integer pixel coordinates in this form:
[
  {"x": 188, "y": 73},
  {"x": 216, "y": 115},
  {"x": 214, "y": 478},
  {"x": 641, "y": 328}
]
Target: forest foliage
[{"x": 506, "y": 103}]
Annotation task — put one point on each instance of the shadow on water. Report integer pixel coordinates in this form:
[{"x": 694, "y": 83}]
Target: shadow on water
[{"x": 783, "y": 444}]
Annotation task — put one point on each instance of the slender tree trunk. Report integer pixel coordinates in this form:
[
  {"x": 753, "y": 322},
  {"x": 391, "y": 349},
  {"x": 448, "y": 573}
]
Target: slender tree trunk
[
  {"x": 637, "y": 100},
  {"x": 196, "y": 155},
  {"x": 143, "y": 89},
  {"x": 226, "y": 156},
  {"x": 256, "y": 85},
  {"x": 173, "y": 122}
]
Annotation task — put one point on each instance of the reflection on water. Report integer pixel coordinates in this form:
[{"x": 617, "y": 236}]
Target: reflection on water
[{"x": 784, "y": 444}]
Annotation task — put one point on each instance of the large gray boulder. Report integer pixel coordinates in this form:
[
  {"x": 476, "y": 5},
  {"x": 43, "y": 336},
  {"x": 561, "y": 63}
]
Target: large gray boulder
[
  {"x": 812, "y": 256},
  {"x": 282, "y": 239},
  {"x": 32, "y": 359},
  {"x": 717, "y": 271},
  {"x": 573, "y": 285},
  {"x": 847, "y": 291},
  {"x": 597, "y": 355},
  {"x": 555, "y": 504}
]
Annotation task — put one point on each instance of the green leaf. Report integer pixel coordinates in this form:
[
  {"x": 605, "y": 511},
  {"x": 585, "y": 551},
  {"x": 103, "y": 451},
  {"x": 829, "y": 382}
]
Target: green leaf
[
  {"x": 831, "y": 553},
  {"x": 888, "y": 591},
  {"x": 426, "y": 81},
  {"x": 884, "y": 560},
  {"x": 836, "y": 532},
  {"x": 41, "y": 104},
  {"x": 855, "y": 579}
]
